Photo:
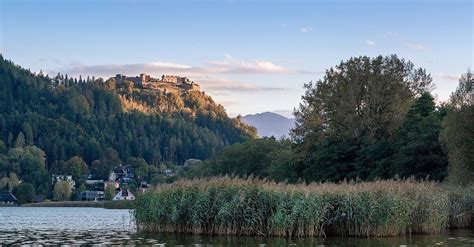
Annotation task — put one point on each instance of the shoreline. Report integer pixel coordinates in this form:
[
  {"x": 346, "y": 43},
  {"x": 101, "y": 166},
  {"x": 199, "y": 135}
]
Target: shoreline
[{"x": 94, "y": 204}]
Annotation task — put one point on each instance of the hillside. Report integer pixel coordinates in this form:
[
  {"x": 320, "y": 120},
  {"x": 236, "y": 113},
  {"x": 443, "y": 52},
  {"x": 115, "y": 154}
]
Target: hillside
[
  {"x": 270, "y": 124},
  {"x": 108, "y": 121}
]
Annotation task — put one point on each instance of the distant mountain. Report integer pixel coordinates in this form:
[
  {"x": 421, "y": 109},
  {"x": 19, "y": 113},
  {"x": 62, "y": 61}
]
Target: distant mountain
[{"x": 270, "y": 124}]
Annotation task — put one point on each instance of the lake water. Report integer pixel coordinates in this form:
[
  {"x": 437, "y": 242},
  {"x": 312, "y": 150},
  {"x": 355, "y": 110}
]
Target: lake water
[{"x": 87, "y": 226}]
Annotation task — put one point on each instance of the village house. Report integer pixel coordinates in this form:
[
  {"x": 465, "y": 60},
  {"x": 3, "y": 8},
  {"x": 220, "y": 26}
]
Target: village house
[
  {"x": 124, "y": 194},
  {"x": 92, "y": 195}
]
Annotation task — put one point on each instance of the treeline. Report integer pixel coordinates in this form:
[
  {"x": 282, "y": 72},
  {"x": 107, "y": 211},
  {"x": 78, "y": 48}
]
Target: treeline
[
  {"x": 67, "y": 117},
  {"x": 367, "y": 118}
]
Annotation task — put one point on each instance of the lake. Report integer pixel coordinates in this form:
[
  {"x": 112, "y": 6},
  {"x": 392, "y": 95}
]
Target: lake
[{"x": 85, "y": 226}]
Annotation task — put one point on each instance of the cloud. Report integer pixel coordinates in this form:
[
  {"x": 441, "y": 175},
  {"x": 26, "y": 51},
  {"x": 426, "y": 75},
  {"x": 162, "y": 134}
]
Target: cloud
[
  {"x": 234, "y": 66},
  {"x": 448, "y": 76},
  {"x": 155, "y": 68},
  {"x": 170, "y": 65},
  {"x": 224, "y": 86},
  {"x": 416, "y": 46},
  {"x": 306, "y": 29},
  {"x": 404, "y": 40},
  {"x": 228, "y": 65},
  {"x": 370, "y": 43},
  {"x": 245, "y": 67}
]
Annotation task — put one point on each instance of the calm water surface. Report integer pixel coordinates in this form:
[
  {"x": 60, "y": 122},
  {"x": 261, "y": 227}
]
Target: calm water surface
[{"x": 87, "y": 226}]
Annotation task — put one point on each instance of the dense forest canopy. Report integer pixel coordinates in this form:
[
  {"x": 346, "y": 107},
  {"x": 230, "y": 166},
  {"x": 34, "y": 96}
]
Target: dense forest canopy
[{"x": 104, "y": 124}]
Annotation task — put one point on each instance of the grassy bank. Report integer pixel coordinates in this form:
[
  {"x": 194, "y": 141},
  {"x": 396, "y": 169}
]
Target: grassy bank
[
  {"x": 99, "y": 204},
  {"x": 221, "y": 206}
]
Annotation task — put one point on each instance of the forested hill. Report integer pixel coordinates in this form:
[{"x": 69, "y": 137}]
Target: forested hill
[{"x": 106, "y": 123}]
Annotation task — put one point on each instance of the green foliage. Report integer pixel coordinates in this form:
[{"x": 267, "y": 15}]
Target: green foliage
[
  {"x": 110, "y": 191},
  {"x": 264, "y": 157},
  {"x": 9, "y": 183},
  {"x": 86, "y": 118},
  {"x": 224, "y": 205},
  {"x": 25, "y": 193},
  {"x": 62, "y": 191},
  {"x": 419, "y": 150},
  {"x": 369, "y": 118},
  {"x": 28, "y": 163},
  {"x": 139, "y": 166},
  {"x": 75, "y": 166},
  {"x": 20, "y": 140},
  {"x": 458, "y": 133}
]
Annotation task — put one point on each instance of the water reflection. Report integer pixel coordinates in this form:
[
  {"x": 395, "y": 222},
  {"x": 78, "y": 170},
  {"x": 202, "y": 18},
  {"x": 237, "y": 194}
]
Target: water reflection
[
  {"x": 115, "y": 237},
  {"x": 88, "y": 226}
]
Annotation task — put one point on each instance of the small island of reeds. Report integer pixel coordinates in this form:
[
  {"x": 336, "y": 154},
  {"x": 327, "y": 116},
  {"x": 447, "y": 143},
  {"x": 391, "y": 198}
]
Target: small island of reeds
[{"x": 234, "y": 206}]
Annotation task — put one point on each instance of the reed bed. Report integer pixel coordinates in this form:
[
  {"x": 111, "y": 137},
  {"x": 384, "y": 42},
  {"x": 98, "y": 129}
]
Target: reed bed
[{"x": 235, "y": 206}]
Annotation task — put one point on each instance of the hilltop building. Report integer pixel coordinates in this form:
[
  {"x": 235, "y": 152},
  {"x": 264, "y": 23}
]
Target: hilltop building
[{"x": 167, "y": 82}]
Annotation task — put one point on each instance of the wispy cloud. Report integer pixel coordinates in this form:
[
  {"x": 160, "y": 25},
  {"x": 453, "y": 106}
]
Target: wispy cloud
[
  {"x": 306, "y": 29},
  {"x": 106, "y": 70},
  {"x": 228, "y": 65},
  {"x": 233, "y": 66},
  {"x": 370, "y": 43},
  {"x": 404, "y": 40},
  {"x": 448, "y": 76},
  {"x": 224, "y": 86}
]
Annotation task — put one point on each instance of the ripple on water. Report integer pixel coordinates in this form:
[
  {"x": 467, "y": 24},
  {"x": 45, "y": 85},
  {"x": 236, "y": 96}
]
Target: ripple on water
[{"x": 92, "y": 226}]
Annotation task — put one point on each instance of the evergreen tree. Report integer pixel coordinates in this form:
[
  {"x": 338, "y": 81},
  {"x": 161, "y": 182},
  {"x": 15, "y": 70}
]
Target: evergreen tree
[{"x": 420, "y": 153}]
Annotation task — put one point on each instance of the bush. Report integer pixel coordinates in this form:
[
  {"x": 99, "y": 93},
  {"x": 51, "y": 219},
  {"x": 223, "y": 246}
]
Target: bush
[{"x": 25, "y": 193}]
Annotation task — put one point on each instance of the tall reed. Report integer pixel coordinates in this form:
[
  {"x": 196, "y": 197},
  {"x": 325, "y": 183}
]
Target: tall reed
[{"x": 234, "y": 206}]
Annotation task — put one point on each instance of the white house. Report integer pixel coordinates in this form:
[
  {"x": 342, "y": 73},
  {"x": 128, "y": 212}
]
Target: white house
[{"x": 124, "y": 194}]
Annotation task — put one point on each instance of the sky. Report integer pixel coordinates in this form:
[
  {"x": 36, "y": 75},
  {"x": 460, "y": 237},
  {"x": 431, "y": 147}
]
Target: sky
[{"x": 250, "y": 56}]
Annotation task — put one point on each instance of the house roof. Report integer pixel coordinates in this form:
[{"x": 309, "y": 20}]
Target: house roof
[{"x": 7, "y": 197}]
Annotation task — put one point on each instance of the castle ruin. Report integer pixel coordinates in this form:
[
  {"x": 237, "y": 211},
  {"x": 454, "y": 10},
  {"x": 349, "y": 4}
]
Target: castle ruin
[{"x": 167, "y": 82}]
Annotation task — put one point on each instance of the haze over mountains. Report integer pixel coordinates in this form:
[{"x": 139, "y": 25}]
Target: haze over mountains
[{"x": 270, "y": 124}]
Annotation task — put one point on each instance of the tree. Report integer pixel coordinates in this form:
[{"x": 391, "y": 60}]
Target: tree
[
  {"x": 62, "y": 191},
  {"x": 358, "y": 106},
  {"x": 458, "y": 133},
  {"x": 25, "y": 193},
  {"x": 13, "y": 182},
  {"x": 109, "y": 191},
  {"x": 265, "y": 157},
  {"x": 3, "y": 147},
  {"x": 88, "y": 119},
  {"x": 283, "y": 165},
  {"x": 420, "y": 152},
  {"x": 20, "y": 140},
  {"x": 140, "y": 167},
  {"x": 76, "y": 167},
  {"x": 4, "y": 184}
]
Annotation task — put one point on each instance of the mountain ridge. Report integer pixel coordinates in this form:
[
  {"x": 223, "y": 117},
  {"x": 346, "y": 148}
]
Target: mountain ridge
[{"x": 270, "y": 124}]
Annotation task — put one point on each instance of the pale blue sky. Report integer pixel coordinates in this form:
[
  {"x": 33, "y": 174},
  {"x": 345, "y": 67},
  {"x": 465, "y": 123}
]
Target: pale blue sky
[{"x": 251, "y": 56}]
